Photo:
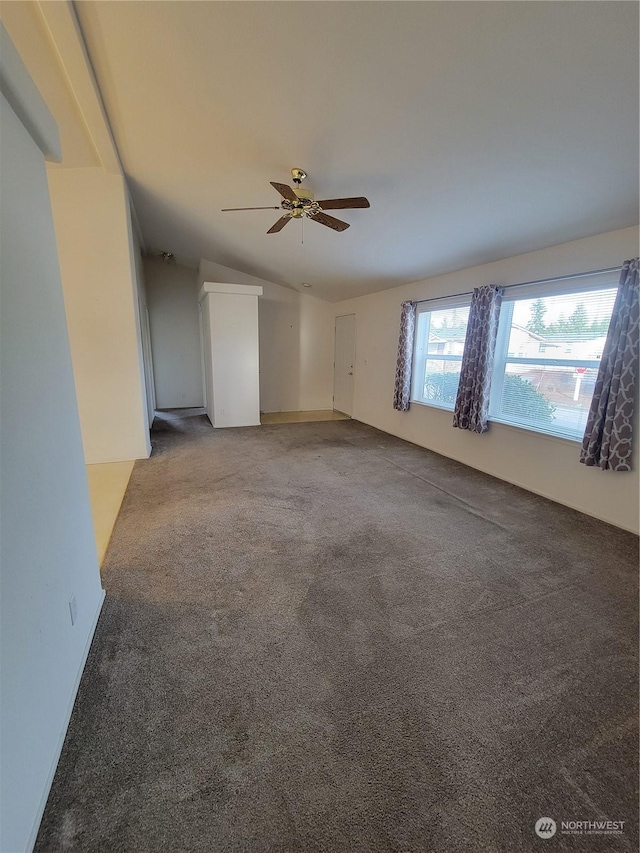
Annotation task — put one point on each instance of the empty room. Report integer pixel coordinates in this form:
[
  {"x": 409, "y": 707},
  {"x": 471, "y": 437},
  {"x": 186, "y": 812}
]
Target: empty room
[{"x": 319, "y": 426}]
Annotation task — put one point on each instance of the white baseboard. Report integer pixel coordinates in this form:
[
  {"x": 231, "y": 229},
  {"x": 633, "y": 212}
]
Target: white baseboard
[
  {"x": 512, "y": 480},
  {"x": 117, "y": 459},
  {"x": 295, "y": 411},
  {"x": 56, "y": 758}
]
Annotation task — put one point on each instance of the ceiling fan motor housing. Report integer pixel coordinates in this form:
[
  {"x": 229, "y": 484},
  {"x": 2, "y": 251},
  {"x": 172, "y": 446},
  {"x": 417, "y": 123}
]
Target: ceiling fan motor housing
[{"x": 304, "y": 205}]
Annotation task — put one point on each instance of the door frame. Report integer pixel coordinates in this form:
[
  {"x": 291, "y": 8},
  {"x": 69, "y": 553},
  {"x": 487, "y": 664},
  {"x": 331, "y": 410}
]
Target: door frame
[{"x": 355, "y": 340}]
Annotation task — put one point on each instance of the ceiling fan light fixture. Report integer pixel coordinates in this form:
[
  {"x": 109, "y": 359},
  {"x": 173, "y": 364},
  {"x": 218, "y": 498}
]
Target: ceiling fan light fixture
[
  {"x": 298, "y": 204},
  {"x": 305, "y": 195}
]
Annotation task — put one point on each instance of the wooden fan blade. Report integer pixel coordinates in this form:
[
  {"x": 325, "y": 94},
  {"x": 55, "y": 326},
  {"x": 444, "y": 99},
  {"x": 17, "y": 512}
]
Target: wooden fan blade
[
  {"x": 285, "y": 191},
  {"x": 227, "y": 209},
  {"x": 344, "y": 203},
  {"x": 279, "y": 224},
  {"x": 330, "y": 221}
]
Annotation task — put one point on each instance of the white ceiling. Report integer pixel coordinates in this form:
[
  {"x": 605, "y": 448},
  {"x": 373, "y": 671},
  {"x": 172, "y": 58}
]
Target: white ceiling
[{"x": 477, "y": 130}]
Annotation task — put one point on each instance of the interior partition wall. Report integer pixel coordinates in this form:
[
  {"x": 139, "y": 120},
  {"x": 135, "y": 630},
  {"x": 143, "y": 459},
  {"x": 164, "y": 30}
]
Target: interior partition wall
[
  {"x": 229, "y": 316},
  {"x": 49, "y": 577}
]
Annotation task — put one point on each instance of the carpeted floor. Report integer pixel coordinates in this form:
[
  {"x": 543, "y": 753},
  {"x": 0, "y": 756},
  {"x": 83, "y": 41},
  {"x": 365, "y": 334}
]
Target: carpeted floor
[{"x": 317, "y": 637}]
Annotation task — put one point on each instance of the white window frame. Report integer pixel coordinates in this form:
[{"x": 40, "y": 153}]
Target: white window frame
[
  {"x": 421, "y": 340},
  {"x": 551, "y": 287},
  {"x": 502, "y": 359}
]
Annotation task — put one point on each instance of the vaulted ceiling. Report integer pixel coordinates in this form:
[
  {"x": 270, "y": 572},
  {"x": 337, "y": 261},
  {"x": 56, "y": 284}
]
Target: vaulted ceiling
[{"x": 477, "y": 130}]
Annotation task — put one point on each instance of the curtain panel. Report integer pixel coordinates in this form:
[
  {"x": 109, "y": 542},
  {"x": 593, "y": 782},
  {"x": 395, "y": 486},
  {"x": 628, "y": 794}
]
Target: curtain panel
[
  {"x": 472, "y": 401},
  {"x": 402, "y": 386},
  {"x": 609, "y": 432}
]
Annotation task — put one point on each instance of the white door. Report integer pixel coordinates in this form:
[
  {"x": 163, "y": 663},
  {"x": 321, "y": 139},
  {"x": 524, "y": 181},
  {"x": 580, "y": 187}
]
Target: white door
[{"x": 344, "y": 364}]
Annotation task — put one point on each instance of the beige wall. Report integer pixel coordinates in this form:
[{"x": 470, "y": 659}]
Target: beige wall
[
  {"x": 296, "y": 343},
  {"x": 542, "y": 464},
  {"x": 279, "y": 311},
  {"x": 172, "y": 294},
  {"x": 91, "y": 218},
  {"x": 96, "y": 246},
  {"x": 316, "y": 353}
]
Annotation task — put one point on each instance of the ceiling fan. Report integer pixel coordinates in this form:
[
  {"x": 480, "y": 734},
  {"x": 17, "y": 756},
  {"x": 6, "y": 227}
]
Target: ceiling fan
[{"x": 300, "y": 203}]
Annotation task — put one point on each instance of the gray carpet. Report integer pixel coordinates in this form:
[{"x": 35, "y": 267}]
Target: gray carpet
[{"x": 317, "y": 637}]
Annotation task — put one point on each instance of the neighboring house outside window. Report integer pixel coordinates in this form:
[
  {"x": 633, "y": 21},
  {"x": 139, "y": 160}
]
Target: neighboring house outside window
[{"x": 440, "y": 335}]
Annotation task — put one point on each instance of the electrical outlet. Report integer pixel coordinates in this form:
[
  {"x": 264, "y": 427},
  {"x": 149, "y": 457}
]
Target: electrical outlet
[{"x": 73, "y": 609}]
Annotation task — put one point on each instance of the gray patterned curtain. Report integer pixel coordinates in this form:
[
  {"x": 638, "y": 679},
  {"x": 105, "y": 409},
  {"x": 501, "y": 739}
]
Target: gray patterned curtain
[
  {"x": 608, "y": 436},
  {"x": 402, "y": 388},
  {"x": 472, "y": 401}
]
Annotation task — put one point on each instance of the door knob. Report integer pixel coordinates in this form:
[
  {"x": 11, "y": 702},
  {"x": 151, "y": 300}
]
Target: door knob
[{"x": 350, "y": 373}]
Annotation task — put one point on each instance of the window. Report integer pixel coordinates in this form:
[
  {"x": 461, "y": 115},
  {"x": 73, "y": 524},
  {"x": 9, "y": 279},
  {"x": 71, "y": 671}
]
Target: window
[
  {"x": 549, "y": 346},
  {"x": 440, "y": 335},
  {"x": 547, "y": 357}
]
